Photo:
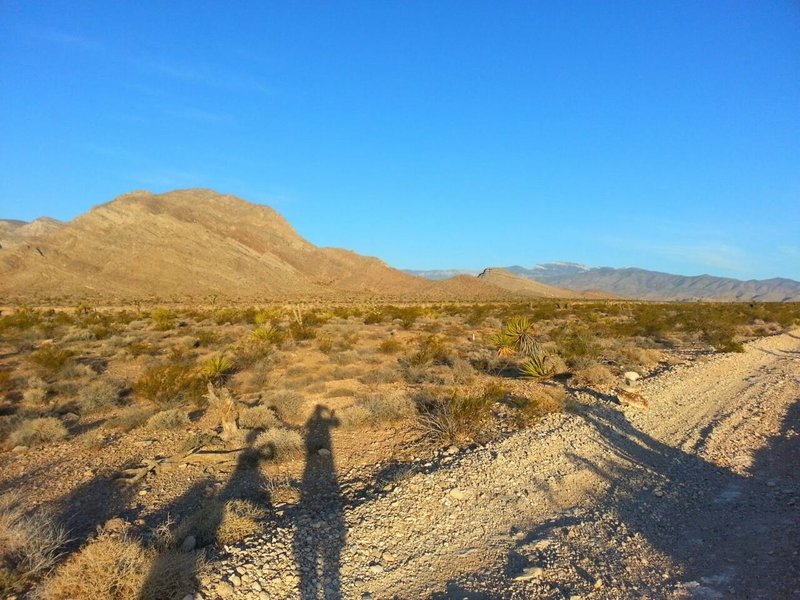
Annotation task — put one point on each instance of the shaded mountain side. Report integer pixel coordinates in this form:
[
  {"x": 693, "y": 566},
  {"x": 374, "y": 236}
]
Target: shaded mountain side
[{"x": 192, "y": 243}]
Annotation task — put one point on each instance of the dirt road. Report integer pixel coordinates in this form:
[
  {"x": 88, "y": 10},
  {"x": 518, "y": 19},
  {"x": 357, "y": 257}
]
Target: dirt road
[{"x": 696, "y": 496}]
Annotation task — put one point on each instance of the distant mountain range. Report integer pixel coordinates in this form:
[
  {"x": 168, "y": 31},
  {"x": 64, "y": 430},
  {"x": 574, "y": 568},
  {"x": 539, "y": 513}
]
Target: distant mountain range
[
  {"x": 197, "y": 243},
  {"x": 654, "y": 285}
]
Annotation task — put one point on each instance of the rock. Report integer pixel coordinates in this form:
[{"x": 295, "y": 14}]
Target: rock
[
  {"x": 115, "y": 525},
  {"x": 324, "y": 452},
  {"x": 143, "y": 492},
  {"x": 189, "y": 543},
  {"x": 224, "y": 590},
  {"x": 235, "y": 580},
  {"x": 388, "y": 557},
  {"x": 530, "y": 573},
  {"x": 70, "y": 418},
  {"x": 457, "y": 494},
  {"x": 451, "y": 450},
  {"x": 19, "y": 448}
]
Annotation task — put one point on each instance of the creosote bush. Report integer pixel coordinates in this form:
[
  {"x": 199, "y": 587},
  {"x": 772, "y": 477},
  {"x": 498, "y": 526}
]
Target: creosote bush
[
  {"x": 50, "y": 359},
  {"x": 168, "y": 419},
  {"x": 98, "y": 395},
  {"x": 377, "y": 409}
]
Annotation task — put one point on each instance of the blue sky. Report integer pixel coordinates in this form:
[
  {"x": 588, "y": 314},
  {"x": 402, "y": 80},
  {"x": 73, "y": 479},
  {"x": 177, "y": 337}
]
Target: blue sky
[{"x": 664, "y": 135}]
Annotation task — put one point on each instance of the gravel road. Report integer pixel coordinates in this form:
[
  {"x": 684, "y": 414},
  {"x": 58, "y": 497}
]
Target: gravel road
[{"x": 695, "y": 496}]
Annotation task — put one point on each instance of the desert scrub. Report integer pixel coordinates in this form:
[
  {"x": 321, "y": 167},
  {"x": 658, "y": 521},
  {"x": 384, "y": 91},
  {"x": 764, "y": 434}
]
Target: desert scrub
[
  {"x": 163, "y": 319},
  {"x": 38, "y": 432},
  {"x": 49, "y": 359},
  {"x": 98, "y": 395},
  {"x": 377, "y": 409},
  {"x": 168, "y": 419},
  {"x": 120, "y": 568},
  {"x": 130, "y": 418},
  {"x": 280, "y": 444},
  {"x": 430, "y": 350},
  {"x": 287, "y": 404},
  {"x": 30, "y": 544},
  {"x": 389, "y": 346},
  {"x": 541, "y": 401},
  {"x": 454, "y": 418},
  {"x": 222, "y": 523},
  {"x": 170, "y": 385},
  {"x": 258, "y": 417},
  {"x": 593, "y": 376}
]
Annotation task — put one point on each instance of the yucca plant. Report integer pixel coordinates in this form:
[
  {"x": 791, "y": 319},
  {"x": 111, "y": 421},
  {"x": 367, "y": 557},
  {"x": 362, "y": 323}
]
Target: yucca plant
[
  {"x": 516, "y": 336},
  {"x": 537, "y": 365},
  {"x": 217, "y": 367},
  {"x": 269, "y": 334}
]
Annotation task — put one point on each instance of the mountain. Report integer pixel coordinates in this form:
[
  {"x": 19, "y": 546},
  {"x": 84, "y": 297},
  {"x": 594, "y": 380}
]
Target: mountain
[
  {"x": 14, "y": 233},
  {"x": 654, "y": 285},
  {"x": 194, "y": 243},
  {"x": 440, "y": 274},
  {"x": 503, "y": 278}
]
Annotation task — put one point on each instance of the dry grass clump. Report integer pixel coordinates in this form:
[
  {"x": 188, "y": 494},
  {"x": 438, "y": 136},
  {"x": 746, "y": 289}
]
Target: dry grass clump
[
  {"x": 377, "y": 409},
  {"x": 221, "y": 523},
  {"x": 541, "y": 401},
  {"x": 30, "y": 544},
  {"x": 37, "y": 432},
  {"x": 455, "y": 418},
  {"x": 390, "y": 346},
  {"x": 287, "y": 404},
  {"x": 120, "y": 568},
  {"x": 49, "y": 359},
  {"x": 170, "y": 385},
  {"x": 640, "y": 358},
  {"x": 98, "y": 395},
  {"x": 592, "y": 376},
  {"x": 280, "y": 443},
  {"x": 258, "y": 417},
  {"x": 130, "y": 418},
  {"x": 168, "y": 419}
]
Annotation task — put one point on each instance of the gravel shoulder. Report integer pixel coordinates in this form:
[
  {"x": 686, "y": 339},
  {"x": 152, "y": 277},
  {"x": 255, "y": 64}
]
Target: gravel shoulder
[{"x": 695, "y": 496}]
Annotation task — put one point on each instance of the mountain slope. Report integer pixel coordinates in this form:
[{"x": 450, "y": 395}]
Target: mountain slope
[
  {"x": 193, "y": 243},
  {"x": 508, "y": 281}
]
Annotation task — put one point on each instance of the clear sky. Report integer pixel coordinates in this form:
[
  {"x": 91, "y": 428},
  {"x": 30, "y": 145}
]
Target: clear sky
[{"x": 464, "y": 134}]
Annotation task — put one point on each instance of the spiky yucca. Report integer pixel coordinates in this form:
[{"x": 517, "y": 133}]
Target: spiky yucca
[{"x": 217, "y": 367}]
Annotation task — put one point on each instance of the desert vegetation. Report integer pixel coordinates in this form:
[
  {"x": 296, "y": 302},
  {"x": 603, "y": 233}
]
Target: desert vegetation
[{"x": 88, "y": 396}]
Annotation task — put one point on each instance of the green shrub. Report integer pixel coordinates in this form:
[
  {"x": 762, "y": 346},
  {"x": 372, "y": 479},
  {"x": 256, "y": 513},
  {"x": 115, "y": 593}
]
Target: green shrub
[{"x": 389, "y": 346}]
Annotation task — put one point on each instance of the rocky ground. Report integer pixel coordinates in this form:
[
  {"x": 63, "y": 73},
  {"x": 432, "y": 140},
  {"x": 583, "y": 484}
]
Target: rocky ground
[{"x": 695, "y": 496}]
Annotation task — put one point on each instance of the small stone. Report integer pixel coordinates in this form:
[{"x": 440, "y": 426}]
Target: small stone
[
  {"x": 457, "y": 494},
  {"x": 143, "y": 492},
  {"x": 115, "y": 525},
  {"x": 376, "y": 569},
  {"x": 452, "y": 450},
  {"x": 224, "y": 590},
  {"x": 530, "y": 573},
  {"x": 658, "y": 493},
  {"x": 598, "y": 584},
  {"x": 235, "y": 580},
  {"x": 387, "y": 557},
  {"x": 70, "y": 418},
  {"x": 324, "y": 452},
  {"x": 19, "y": 448}
]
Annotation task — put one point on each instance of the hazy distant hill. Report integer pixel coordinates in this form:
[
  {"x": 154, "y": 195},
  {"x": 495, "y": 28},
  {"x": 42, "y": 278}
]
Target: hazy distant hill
[
  {"x": 649, "y": 285},
  {"x": 195, "y": 243},
  {"x": 503, "y": 278},
  {"x": 436, "y": 275},
  {"x": 653, "y": 285}
]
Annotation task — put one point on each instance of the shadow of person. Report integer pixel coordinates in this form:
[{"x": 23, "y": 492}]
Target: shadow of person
[
  {"x": 177, "y": 569},
  {"x": 320, "y": 530}
]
